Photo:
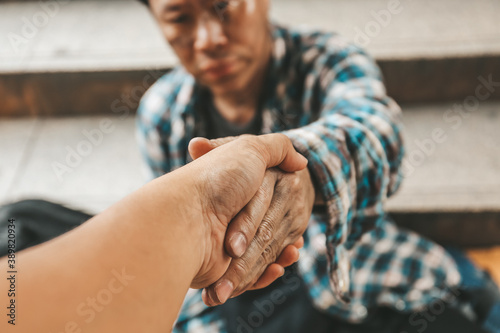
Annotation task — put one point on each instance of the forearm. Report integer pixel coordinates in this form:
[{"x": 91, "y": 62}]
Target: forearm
[
  {"x": 162, "y": 239},
  {"x": 126, "y": 270},
  {"x": 354, "y": 150}
]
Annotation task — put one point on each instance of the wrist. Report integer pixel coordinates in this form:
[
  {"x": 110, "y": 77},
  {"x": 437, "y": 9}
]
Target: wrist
[
  {"x": 311, "y": 191},
  {"x": 185, "y": 218}
]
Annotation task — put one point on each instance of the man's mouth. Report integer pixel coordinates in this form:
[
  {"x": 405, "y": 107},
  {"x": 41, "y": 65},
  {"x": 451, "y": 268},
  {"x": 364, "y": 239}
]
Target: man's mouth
[{"x": 219, "y": 69}]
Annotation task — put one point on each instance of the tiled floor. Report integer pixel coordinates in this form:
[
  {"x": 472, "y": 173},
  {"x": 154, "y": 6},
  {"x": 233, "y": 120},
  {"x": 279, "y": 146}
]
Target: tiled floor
[{"x": 37, "y": 161}]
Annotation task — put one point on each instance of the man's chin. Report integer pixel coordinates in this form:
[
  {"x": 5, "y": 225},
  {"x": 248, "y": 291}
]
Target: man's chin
[{"x": 225, "y": 84}]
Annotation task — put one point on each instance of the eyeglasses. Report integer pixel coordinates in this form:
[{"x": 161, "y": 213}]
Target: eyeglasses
[
  {"x": 224, "y": 9},
  {"x": 180, "y": 25}
]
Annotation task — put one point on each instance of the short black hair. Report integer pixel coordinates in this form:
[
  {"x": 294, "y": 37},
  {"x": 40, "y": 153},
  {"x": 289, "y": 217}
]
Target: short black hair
[{"x": 146, "y": 2}]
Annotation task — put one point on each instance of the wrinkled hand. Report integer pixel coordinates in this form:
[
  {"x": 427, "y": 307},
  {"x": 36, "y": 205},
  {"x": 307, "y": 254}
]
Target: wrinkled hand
[
  {"x": 226, "y": 180},
  {"x": 272, "y": 223}
]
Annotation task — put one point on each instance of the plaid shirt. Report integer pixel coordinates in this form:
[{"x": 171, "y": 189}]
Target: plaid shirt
[{"x": 328, "y": 97}]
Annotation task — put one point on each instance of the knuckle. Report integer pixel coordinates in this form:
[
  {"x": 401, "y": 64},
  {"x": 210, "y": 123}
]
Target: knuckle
[
  {"x": 270, "y": 253},
  {"x": 238, "y": 270},
  {"x": 247, "y": 223},
  {"x": 264, "y": 234},
  {"x": 282, "y": 138},
  {"x": 259, "y": 200},
  {"x": 262, "y": 194},
  {"x": 247, "y": 137},
  {"x": 300, "y": 208},
  {"x": 291, "y": 182},
  {"x": 296, "y": 184},
  {"x": 295, "y": 234}
]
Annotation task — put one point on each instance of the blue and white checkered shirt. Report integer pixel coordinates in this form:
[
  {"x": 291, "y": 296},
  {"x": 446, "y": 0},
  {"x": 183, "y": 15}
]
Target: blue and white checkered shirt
[{"x": 327, "y": 95}]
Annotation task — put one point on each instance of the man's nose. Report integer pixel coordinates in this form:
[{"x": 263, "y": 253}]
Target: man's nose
[{"x": 209, "y": 34}]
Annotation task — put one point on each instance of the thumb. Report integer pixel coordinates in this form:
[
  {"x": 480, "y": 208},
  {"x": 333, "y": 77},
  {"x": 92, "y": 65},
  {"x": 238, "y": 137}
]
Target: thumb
[
  {"x": 200, "y": 146},
  {"x": 277, "y": 150}
]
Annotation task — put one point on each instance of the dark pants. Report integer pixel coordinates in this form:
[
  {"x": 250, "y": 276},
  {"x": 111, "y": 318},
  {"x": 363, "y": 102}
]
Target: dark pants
[{"x": 262, "y": 311}]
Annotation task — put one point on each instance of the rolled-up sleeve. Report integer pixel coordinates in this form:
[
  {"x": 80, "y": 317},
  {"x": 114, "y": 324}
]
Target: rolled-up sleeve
[{"x": 354, "y": 149}]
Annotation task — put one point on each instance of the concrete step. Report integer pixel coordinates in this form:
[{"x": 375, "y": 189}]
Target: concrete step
[
  {"x": 451, "y": 187},
  {"x": 41, "y": 159},
  {"x": 80, "y": 56},
  {"x": 451, "y": 190}
]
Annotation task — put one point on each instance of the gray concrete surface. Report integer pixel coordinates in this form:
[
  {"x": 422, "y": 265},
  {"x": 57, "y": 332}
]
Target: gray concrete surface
[
  {"x": 121, "y": 35},
  {"x": 459, "y": 174},
  {"x": 37, "y": 162}
]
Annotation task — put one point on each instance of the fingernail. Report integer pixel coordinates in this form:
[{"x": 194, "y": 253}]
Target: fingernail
[
  {"x": 239, "y": 244},
  {"x": 204, "y": 297},
  {"x": 208, "y": 297},
  {"x": 305, "y": 159},
  {"x": 223, "y": 290}
]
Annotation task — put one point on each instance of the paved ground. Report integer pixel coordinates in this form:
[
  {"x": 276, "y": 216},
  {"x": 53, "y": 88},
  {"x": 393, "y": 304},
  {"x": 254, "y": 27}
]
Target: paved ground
[
  {"x": 460, "y": 173},
  {"x": 80, "y": 34}
]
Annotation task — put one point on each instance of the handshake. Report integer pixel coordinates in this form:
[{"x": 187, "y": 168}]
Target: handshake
[
  {"x": 256, "y": 198},
  {"x": 227, "y": 222}
]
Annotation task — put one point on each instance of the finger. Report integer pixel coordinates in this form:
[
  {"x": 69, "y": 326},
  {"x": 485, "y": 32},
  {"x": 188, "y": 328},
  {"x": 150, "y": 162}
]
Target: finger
[
  {"x": 200, "y": 146},
  {"x": 243, "y": 227},
  {"x": 277, "y": 150},
  {"x": 289, "y": 256},
  {"x": 204, "y": 297},
  {"x": 262, "y": 251},
  {"x": 243, "y": 271},
  {"x": 299, "y": 243},
  {"x": 271, "y": 274}
]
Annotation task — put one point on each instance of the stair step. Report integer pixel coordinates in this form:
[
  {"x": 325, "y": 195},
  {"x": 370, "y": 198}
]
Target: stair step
[
  {"x": 451, "y": 188},
  {"x": 452, "y": 161},
  {"x": 85, "y": 54},
  {"x": 451, "y": 194}
]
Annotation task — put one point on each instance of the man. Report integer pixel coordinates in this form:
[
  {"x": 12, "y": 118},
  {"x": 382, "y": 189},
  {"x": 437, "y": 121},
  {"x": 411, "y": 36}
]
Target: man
[{"x": 241, "y": 74}]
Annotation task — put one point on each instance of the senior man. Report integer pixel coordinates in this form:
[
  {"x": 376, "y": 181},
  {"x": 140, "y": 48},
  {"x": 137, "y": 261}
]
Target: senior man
[{"x": 241, "y": 74}]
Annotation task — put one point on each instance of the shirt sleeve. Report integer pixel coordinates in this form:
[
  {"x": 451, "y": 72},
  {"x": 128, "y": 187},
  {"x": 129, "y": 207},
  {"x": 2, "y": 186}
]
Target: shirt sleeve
[
  {"x": 354, "y": 149},
  {"x": 153, "y": 128}
]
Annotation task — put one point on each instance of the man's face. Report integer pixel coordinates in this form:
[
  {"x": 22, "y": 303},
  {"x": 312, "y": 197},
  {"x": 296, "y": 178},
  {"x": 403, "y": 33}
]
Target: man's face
[{"x": 222, "y": 43}]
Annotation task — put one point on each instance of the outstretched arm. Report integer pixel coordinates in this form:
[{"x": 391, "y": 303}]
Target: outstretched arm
[
  {"x": 128, "y": 269},
  {"x": 354, "y": 148}
]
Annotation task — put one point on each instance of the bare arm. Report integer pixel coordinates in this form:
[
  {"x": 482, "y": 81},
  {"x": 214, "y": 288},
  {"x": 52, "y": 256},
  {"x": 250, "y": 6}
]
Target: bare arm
[{"x": 128, "y": 269}]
